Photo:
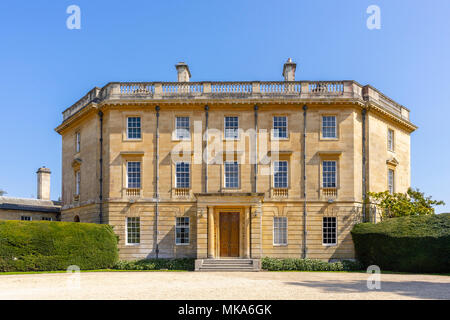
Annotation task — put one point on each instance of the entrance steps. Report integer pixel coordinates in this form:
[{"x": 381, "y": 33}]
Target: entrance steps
[{"x": 228, "y": 265}]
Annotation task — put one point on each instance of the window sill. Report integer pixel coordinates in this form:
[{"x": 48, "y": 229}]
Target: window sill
[
  {"x": 132, "y": 140},
  {"x": 132, "y": 244},
  {"x": 329, "y": 244},
  {"x": 182, "y": 244},
  {"x": 329, "y": 139},
  {"x": 280, "y": 245}
]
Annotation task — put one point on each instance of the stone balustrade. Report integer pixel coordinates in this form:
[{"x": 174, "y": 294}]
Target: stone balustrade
[{"x": 299, "y": 91}]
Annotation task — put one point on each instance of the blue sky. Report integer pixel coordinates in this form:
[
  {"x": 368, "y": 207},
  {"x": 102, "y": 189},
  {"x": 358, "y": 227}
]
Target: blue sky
[{"x": 45, "y": 67}]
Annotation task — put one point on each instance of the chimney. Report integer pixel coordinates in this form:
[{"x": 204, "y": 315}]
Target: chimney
[
  {"x": 289, "y": 70},
  {"x": 43, "y": 183},
  {"x": 183, "y": 72}
]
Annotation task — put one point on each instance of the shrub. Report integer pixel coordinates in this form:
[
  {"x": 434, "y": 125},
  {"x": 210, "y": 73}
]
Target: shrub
[
  {"x": 295, "y": 264},
  {"x": 156, "y": 264},
  {"x": 409, "y": 244},
  {"x": 49, "y": 246}
]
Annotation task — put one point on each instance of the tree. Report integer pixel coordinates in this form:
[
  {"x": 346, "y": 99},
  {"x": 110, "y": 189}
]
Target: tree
[
  {"x": 411, "y": 203},
  {"x": 2, "y": 192}
]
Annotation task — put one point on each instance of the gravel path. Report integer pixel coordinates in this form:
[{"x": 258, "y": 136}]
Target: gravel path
[{"x": 219, "y": 285}]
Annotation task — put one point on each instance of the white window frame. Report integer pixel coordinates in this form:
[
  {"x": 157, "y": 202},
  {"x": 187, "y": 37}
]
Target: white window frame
[
  {"x": 225, "y": 128},
  {"x": 189, "y": 175},
  {"x": 287, "y": 174},
  {"x": 391, "y": 140},
  {"x": 77, "y": 142},
  {"x": 189, "y": 231},
  {"x": 273, "y": 231},
  {"x": 323, "y": 126},
  {"x": 77, "y": 182},
  {"x": 225, "y": 175},
  {"x": 140, "y": 174},
  {"x": 177, "y": 137},
  {"x": 140, "y": 128},
  {"x": 335, "y": 174},
  {"x": 389, "y": 180},
  {"x": 273, "y": 128},
  {"x": 335, "y": 232},
  {"x": 126, "y": 232},
  {"x": 30, "y": 218}
]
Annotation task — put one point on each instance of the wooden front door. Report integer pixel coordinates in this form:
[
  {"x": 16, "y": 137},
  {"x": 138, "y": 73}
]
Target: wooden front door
[{"x": 229, "y": 234}]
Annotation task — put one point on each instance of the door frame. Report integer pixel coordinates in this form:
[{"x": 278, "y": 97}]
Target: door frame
[{"x": 217, "y": 212}]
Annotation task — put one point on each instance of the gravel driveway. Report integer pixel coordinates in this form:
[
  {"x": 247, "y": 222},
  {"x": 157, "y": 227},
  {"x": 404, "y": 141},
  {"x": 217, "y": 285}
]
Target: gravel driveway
[{"x": 219, "y": 285}]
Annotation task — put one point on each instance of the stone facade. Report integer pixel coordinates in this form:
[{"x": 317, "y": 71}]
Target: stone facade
[{"x": 96, "y": 175}]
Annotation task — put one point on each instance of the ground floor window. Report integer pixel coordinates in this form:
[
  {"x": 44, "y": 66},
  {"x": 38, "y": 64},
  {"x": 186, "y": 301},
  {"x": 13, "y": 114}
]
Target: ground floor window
[
  {"x": 133, "y": 230},
  {"x": 182, "y": 230},
  {"x": 47, "y": 218},
  {"x": 280, "y": 230},
  {"x": 25, "y": 218},
  {"x": 329, "y": 231}
]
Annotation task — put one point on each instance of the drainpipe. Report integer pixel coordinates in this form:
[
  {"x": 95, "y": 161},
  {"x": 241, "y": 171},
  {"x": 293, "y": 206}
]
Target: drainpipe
[
  {"x": 305, "y": 233},
  {"x": 157, "y": 181},
  {"x": 364, "y": 191},
  {"x": 255, "y": 165},
  {"x": 100, "y": 196},
  {"x": 205, "y": 187}
]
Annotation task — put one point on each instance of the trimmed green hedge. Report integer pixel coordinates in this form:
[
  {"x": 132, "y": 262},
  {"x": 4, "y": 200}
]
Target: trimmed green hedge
[
  {"x": 50, "y": 246},
  {"x": 407, "y": 244},
  {"x": 295, "y": 264},
  {"x": 156, "y": 264}
]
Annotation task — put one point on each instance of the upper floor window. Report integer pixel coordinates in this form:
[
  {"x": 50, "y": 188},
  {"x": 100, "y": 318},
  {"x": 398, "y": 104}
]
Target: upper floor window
[
  {"x": 25, "y": 218},
  {"x": 329, "y": 127},
  {"x": 280, "y": 230},
  {"x": 47, "y": 219},
  {"x": 182, "y": 127},
  {"x": 280, "y": 127},
  {"x": 77, "y": 142},
  {"x": 391, "y": 175},
  {"x": 134, "y": 174},
  {"x": 280, "y": 174},
  {"x": 182, "y": 230},
  {"x": 231, "y": 174},
  {"x": 329, "y": 231},
  {"x": 77, "y": 182},
  {"x": 231, "y": 128},
  {"x": 133, "y": 128},
  {"x": 182, "y": 175},
  {"x": 390, "y": 140},
  {"x": 329, "y": 174},
  {"x": 133, "y": 230}
]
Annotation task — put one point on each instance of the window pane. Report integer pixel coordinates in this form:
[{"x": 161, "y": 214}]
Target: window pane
[
  {"x": 329, "y": 230},
  {"x": 280, "y": 230},
  {"x": 182, "y": 175},
  {"x": 329, "y": 174},
  {"x": 231, "y": 174},
  {"x": 134, "y": 174},
  {"x": 133, "y": 230},
  {"x": 134, "y": 128},
  {"x": 280, "y": 127},
  {"x": 182, "y": 230},
  {"x": 329, "y": 127},
  {"x": 231, "y": 127},
  {"x": 280, "y": 174},
  {"x": 182, "y": 128}
]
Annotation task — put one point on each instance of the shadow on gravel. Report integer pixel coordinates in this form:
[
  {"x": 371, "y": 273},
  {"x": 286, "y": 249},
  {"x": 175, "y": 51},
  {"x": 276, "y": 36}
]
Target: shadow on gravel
[{"x": 415, "y": 289}]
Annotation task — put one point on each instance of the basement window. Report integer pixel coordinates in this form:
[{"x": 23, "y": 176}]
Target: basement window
[{"x": 133, "y": 230}]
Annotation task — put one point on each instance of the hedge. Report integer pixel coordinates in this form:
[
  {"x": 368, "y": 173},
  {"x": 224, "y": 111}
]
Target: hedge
[
  {"x": 296, "y": 264},
  {"x": 406, "y": 244},
  {"x": 157, "y": 264},
  {"x": 50, "y": 246}
]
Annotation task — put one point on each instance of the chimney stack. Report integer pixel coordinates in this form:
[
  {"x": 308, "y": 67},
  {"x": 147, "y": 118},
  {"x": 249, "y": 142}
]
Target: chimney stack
[
  {"x": 43, "y": 183},
  {"x": 289, "y": 70},
  {"x": 183, "y": 72}
]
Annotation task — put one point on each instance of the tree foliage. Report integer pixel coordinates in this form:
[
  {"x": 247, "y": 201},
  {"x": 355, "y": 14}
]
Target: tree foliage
[
  {"x": 2, "y": 192},
  {"x": 411, "y": 203}
]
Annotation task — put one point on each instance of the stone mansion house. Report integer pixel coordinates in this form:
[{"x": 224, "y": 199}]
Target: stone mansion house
[{"x": 232, "y": 169}]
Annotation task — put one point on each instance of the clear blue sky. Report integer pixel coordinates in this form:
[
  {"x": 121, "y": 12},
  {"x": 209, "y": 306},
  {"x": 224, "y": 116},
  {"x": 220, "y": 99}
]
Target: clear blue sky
[{"x": 46, "y": 67}]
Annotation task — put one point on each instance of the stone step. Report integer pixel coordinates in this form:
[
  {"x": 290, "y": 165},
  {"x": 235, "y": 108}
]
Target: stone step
[{"x": 226, "y": 265}]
